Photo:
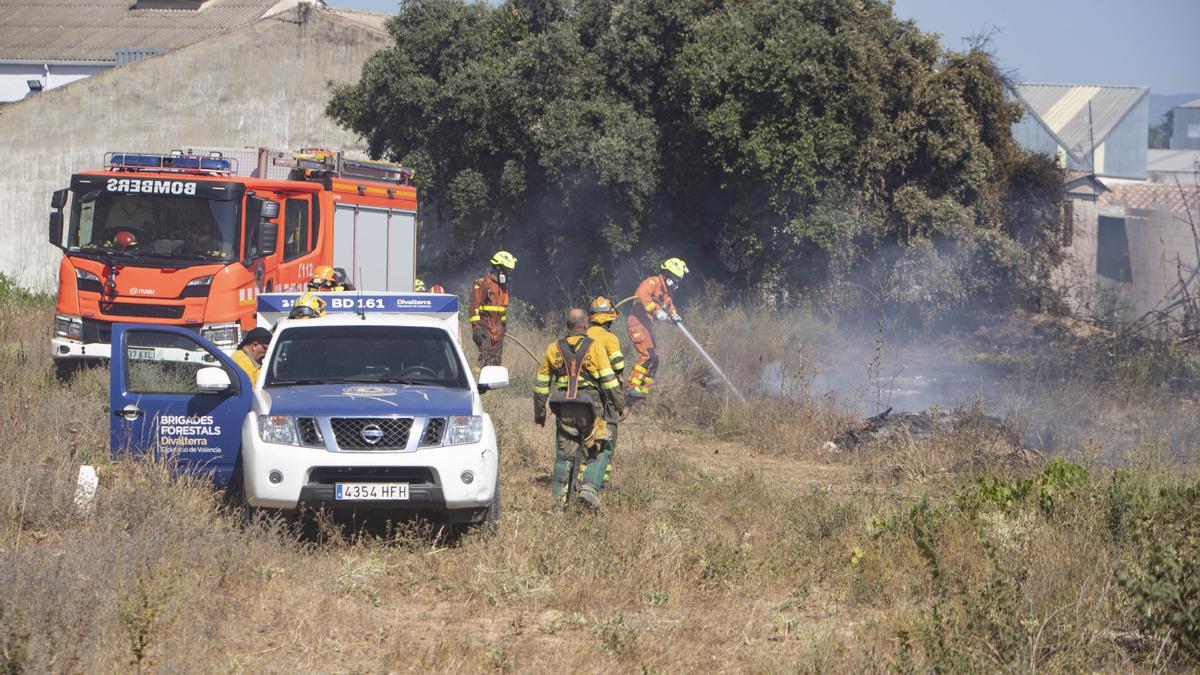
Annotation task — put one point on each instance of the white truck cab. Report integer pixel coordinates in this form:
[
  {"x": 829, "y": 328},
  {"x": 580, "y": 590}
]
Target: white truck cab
[{"x": 372, "y": 406}]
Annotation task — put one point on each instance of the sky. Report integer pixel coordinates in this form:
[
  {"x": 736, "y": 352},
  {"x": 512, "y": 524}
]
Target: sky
[{"x": 1154, "y": 43}]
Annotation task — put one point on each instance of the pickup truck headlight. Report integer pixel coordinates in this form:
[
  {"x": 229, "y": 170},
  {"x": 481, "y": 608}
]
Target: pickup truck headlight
[
  {"x": 279, "y": 429},
  {"x": 70, "y": 327},
  {"x": 222, "y": 334},
  {"x": 464, "y": 430}
]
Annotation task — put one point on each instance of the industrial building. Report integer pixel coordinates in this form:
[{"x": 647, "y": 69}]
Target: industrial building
[
  {"x": 264, "y": 83},
  {"x": 1185, "y": 128},
  {"x": 48, "y": 43},
  {"x": 1101, "y": 130}
]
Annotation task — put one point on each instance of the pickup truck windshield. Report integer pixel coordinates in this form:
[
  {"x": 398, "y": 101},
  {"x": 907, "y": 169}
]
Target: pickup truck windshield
[
  {"x": 387, "y": 354},
  {"x": 158, "y": 227}
]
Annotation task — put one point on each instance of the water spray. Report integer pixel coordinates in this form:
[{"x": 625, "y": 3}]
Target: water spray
[{"x": 711, "y": 364}]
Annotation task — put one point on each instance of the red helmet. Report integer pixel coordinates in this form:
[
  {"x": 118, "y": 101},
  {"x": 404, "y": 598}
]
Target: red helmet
[
  {"x": 124, "y": 240},
  {"x": 436, "y": 288}
]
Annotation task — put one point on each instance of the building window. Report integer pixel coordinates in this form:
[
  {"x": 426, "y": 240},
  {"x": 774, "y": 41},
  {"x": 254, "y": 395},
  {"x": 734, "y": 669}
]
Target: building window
[
  {"x": 1193, "y": 131},
  {"x": 296, "y": 232},
  {"x": 1068, "y": 223},
  {"x": 1112, "y": 250}
]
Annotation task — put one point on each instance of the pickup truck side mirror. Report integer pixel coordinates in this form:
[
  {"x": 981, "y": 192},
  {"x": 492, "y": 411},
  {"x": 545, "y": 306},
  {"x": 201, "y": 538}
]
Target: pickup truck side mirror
[
  {"x": 56, "y": 228},
  {"x": 58, "y": 199},
  {"x": 212, "y": 379},
  {"x": 493, "y": 377}
]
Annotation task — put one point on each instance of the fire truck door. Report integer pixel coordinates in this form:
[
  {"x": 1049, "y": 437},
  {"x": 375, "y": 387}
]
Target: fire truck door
[{"x": 298, "y": 241}]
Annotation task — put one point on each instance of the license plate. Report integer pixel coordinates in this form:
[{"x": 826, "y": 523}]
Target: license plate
[
  {"x": 371, "y": 491},
  {"x": 136, "y": 354}
]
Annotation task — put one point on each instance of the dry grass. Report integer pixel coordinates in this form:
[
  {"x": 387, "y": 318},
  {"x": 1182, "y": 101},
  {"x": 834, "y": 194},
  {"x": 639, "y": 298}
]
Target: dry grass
[{"x": 733, "y": 544}]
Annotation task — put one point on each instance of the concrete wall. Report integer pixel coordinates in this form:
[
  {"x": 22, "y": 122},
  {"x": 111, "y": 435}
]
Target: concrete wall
[
  {"x": 1076, "y": 277},
  {"x": 14, "y": 76},
  {"x": 259, "y": 85},
  {"x": 1157, "y": 241}
]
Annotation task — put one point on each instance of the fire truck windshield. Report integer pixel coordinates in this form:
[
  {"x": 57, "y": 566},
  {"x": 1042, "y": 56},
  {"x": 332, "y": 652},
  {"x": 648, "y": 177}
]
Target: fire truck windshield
[{"x": 181, "y": 229}]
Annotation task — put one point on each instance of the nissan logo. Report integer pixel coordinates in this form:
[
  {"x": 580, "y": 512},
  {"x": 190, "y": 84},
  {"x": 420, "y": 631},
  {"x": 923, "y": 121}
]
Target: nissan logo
[{"x": 371, "y": 434}]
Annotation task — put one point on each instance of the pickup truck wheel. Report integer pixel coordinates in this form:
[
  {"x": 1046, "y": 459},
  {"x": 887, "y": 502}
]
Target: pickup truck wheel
[{"x": 491, "y": 518}]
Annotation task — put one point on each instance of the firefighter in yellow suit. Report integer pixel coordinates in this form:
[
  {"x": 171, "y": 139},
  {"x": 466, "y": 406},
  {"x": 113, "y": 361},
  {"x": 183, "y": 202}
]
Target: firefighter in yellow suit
[
  {"x": 601, "y": 316},
  {"x": 577, "y": 380}
]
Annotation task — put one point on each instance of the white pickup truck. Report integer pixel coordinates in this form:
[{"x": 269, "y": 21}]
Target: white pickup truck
[{"x": 372, "y": 406}]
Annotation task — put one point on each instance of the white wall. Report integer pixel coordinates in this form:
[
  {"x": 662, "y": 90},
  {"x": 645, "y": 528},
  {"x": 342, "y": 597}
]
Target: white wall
[
  {"x": 260, "y": 85},
  {"x": 13, "y": 77}
]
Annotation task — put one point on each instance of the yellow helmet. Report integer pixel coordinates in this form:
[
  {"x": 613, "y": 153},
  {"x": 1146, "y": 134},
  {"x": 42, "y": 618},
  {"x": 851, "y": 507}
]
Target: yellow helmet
[
  {"x": 602, "y": 311},
  {"x": 418, "y": 286},
  {"x": 323, "y": 278},
  {"x": 504, "y": 259},
  {"x": 675, "y": 266},
  {"x": 308, "y": 306}
]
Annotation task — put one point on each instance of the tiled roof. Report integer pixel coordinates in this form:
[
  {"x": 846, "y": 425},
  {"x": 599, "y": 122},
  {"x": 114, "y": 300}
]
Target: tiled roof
[
  {"x": 1064, "y": 111},
  {"x": 1153, "y": 197},
  {"x": 91, "y": 30}
]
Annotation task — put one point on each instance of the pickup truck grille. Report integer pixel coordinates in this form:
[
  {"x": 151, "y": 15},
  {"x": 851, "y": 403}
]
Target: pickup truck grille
[
  {"x": 328, "y": 475},
  {"x": 434, "y": 429},
  {"x": 371, "y": 433},
  {"x": 310, "y": 434}
]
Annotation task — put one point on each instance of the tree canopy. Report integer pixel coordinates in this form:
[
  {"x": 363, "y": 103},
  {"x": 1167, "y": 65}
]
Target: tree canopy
[{"x": 776, "y": 146}]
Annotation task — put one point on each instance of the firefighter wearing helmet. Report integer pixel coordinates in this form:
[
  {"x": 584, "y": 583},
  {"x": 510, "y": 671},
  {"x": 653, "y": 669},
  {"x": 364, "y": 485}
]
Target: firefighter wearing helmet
[
  {"x": 309, "y": 306},
  {"x": 418, "y": 286},
  {"x": 328, "y": 280},
  {"x": 601, "y": 315},
  {"x": 489, "y": 308},
  {"x": 652, "y": 303}
]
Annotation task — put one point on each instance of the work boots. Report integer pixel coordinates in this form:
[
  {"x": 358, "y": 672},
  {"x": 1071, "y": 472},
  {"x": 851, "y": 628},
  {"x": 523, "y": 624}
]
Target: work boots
[{"x": 588, "y": 497}]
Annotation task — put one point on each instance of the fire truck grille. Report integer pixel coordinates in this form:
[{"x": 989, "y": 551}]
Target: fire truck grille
[
  {"x": 434, "y": 429},
  {"x": 97, "y": 331},
  {"x": 137, "y": 309},
  {"x": 371, "y": 433}
]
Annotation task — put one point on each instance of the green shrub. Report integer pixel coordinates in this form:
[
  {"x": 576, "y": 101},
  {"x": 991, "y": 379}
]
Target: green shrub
[{"x": 1163, "y": 581}]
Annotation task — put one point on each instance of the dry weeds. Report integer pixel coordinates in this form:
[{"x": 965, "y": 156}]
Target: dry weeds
[{"x": 732, "y": 544}]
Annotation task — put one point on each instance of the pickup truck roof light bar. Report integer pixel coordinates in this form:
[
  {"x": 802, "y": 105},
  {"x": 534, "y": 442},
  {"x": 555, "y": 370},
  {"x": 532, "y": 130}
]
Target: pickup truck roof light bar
[
  {"x": 176, "y": 161},
  {"x": 317, "y": 162}
]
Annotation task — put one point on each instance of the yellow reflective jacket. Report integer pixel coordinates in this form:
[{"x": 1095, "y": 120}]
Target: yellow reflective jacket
[
  {"x": 611, "y": 344},
  {"x": 247, "y": 364},
  {"x": 598, "y": 375}
]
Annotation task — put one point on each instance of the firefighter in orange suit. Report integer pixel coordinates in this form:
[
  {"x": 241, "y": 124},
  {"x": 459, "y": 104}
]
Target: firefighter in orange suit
[
  {"x": 653, "y": 303},
  {"x": 489, "y": 308}
]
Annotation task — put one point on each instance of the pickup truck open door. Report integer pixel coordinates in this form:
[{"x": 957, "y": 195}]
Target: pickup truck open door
[{"x": 177, "y": 397}]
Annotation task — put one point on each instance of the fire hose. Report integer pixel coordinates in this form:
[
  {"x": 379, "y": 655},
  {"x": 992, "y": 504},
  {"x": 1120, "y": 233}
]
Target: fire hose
[
  {"x": 695, "y": 343},
  {"x": 528, "y": 351}
]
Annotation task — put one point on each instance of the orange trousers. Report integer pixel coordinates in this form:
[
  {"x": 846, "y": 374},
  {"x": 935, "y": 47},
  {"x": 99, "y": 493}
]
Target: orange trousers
[{"x": 641, "y": 333}]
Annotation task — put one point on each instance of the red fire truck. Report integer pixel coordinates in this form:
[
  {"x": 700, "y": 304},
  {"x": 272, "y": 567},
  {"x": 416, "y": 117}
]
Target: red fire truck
[{"x": 187, "y": 238}]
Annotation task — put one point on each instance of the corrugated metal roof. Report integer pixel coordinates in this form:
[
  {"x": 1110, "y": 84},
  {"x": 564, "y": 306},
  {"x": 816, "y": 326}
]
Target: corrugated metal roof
[
  {"x": 90, "y": 30},
  {"x": 1063, "y": 110}
]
